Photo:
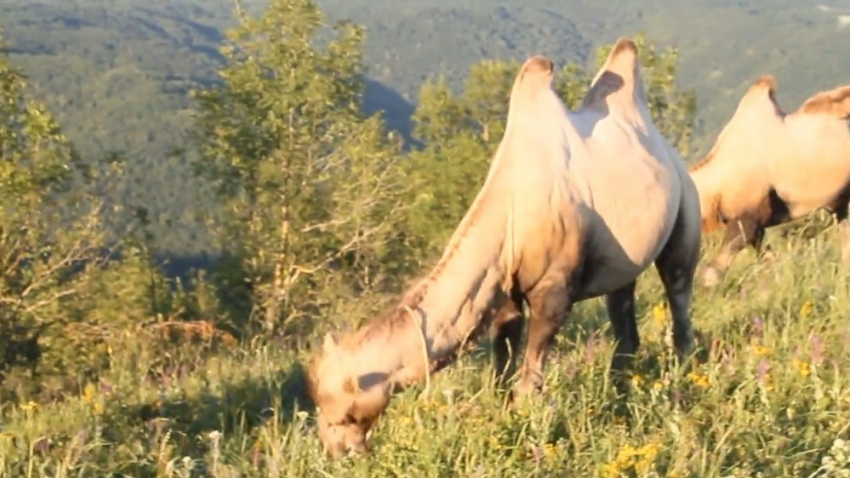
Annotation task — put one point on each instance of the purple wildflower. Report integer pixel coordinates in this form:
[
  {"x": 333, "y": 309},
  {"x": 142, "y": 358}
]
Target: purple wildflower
[
  {"x": 817, "y": 349},
  {"x": 763, "y": 368},
  {"x": 42, "y": 445},
  {"x": 590, "y": 348},
  {"x": 537, "y": 452}
]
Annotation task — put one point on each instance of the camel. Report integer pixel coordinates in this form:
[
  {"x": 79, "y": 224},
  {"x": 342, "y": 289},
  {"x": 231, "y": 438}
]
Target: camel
[
  {"x": 768, "y": 168},
  {"x": 575, "y": 205}
]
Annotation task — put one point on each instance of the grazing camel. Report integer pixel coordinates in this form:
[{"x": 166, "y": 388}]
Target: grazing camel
[
  {"x": 768, "y": 168},
  {"x": 575, "y": 205}
]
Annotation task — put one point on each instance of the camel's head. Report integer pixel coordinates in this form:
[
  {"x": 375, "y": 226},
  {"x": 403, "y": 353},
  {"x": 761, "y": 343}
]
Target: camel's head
[{"x": 347, "y": 403}]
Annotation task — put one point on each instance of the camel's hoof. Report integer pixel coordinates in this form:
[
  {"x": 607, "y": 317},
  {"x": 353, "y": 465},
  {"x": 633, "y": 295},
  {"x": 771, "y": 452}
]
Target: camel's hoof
[
  {"x": 523, "y": 389},
  {"x": 711, "y": 277}
]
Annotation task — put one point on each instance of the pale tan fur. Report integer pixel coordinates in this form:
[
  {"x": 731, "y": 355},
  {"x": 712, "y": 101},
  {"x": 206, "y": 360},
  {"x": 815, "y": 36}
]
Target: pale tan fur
[
  {"x": 574, "y": 205},
  {"x": 768, "y": 167}
]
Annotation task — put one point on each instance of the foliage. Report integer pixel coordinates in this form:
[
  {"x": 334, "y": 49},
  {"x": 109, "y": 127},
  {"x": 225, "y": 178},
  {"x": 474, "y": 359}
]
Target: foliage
[{"x": 308, "y": 185}]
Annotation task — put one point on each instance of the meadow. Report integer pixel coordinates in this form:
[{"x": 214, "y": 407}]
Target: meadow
[{"x": 767, "y": 396}]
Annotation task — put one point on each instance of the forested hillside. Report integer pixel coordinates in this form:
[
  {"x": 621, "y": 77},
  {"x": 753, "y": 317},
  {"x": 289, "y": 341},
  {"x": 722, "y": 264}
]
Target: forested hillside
[{"x": 117, "y": 72}]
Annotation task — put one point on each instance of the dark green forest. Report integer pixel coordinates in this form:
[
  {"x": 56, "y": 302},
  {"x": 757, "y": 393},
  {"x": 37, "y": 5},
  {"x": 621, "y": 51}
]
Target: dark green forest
[{"x": 117, "y": 73}]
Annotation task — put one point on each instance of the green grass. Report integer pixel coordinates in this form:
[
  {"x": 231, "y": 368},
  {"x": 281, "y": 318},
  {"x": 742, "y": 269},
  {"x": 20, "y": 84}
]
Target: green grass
[{"x": 771, "y": 398}]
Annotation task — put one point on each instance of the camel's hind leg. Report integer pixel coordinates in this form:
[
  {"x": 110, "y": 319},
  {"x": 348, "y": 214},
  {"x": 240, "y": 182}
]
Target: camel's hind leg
[
  {"x": 676, "y": 266},
  {"x": 621, "y": 311},
  {"x": 506, "y": 334}
]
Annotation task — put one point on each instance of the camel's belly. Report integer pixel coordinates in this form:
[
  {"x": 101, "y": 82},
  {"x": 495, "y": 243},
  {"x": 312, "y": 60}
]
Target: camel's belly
[{"x": 812, "y": 189}]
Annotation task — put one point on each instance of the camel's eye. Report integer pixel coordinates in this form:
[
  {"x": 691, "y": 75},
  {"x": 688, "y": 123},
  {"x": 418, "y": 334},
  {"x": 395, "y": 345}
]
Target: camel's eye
[{"x": 349, "y": 419}]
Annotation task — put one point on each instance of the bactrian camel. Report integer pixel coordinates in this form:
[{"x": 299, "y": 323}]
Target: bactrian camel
[
  {"x": 575, "y": 205},
  {"x": 767, "y": 168}
]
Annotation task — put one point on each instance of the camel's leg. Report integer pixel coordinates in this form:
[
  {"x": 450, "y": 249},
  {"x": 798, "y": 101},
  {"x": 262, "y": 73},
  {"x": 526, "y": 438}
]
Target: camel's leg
[
  {"x": 740, "y": 232},
  {"x": 550, "y": 305},
  {"x": 621, "y": 311},
  {"x": 676, "y": 267},
  {"x": 506, "y": 333}
]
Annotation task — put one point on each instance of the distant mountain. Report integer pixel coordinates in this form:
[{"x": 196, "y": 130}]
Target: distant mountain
[{"x": 116, "y": 72}]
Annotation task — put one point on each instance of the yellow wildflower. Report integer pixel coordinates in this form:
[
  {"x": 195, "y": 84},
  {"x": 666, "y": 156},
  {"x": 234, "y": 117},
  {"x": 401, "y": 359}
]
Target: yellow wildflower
[
  {"x": 659, "y": 313},
  {"x": 806, "y": 309},
  {"x": 637, "y": 380},
  {"x": 803, "y": 367},
  {"x": 761, "y": 350},
  {"x": 767, "y": 383},
  {"x": 641, "y": 459},
  {"x": 89, "y": 392},
  {"x": 658, "y": 385},
  {"x": 29, "y": 406},
  {"x": 699, "y": 380}
]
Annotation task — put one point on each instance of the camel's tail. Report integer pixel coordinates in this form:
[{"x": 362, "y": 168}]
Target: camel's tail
[{"x": 835, "y": 102}]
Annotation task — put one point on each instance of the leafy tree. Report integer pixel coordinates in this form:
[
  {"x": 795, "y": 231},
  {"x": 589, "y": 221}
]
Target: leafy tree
[
  {"x": 53, "y": 250},
  {"x": 308, "y": 184}
]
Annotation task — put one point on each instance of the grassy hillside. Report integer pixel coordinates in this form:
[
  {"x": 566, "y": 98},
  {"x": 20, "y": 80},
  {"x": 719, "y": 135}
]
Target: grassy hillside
[
  {"x": 771, "y": 399},
  {"x": 117, "y": 71}
]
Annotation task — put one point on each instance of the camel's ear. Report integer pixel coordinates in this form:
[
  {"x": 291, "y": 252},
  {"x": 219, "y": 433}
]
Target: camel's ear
[
  {"x": 331, "y": 344},
  {"x": 351, "y": 385}
]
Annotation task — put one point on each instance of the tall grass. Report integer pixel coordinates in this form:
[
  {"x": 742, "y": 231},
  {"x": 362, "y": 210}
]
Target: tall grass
[{"x": 770, "y": 398}]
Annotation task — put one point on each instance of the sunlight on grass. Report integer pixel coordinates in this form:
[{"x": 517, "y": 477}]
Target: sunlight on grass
[{"x": 768, "y": 397}]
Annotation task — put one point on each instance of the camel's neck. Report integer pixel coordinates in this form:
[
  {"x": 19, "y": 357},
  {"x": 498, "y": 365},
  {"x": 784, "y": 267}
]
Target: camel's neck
[{"x": 441, "y": 312}]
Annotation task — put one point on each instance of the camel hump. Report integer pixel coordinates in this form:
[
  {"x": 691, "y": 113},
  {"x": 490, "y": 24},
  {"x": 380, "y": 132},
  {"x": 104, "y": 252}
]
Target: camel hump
[
  {"x": 835, "y": 102},
  {"x": 760, "y": 95},
  {"x": 765, "y": 85},
  {"x": 620, "y": 73},
  {"x": 535, "y": 75},
  {"x": 536, "y": 65},
  {"x": 623, "y": 59}
]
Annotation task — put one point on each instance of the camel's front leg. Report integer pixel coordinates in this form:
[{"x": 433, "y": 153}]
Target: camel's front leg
[
  {"x": 621, "y": 312},
  {"x": 841, "y": 215},
  {"x": 550, "y": 305},
  {"x": 506, "y": 333}
]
